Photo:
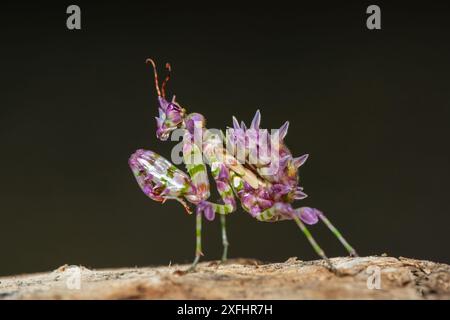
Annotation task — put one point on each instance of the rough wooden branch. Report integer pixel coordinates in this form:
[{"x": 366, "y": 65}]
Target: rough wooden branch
[{"x": 401, "y": 278}]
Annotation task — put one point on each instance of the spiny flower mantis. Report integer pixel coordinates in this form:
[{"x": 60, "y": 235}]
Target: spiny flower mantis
[{"x": 265, "y": 187}]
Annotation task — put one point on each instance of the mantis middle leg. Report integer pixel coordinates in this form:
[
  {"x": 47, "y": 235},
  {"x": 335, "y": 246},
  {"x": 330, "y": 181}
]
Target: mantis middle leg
[
  {"x": 197, "y": 170},
  {"x": 221, "y": 177},
  {"x": 277, "y": 213}
]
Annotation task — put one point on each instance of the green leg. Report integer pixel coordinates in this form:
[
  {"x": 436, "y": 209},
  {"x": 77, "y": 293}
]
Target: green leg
[
  {"x": 224, "y": 237},
  {"x": 338, "y": 235},
  {"x": 198, "y": 246},
  {"x": 313, "y": 242},
  {"x": 225, "y": 189},
  {"x": 198, "y": 173}
]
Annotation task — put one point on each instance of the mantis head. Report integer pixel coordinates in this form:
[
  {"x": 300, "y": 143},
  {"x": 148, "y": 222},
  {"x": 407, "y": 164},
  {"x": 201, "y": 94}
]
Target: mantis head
[{"x": 171, "y": 115}]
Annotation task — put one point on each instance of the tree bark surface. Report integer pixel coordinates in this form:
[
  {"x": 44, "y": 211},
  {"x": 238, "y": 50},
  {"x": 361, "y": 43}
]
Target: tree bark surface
[{"x": 354, "y": 278}]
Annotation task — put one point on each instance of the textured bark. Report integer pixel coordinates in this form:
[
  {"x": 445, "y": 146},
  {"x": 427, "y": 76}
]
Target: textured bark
[{"x": 401, "y": 278}]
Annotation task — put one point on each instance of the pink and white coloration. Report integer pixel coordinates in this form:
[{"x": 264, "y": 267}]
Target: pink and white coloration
[{"x": 266, "y": 186}]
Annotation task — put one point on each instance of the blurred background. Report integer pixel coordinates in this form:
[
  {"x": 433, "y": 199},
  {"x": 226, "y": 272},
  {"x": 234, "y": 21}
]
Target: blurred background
[{"x": 372, "y": 109}]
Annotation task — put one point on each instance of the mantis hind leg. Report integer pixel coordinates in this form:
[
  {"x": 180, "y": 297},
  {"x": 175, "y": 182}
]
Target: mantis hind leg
[
  {"x": 338, "y": 235},
  {"x": 312, "y": 216},
  {"x": 277, "y": 213},
  {"x": 313, "y": 242}
]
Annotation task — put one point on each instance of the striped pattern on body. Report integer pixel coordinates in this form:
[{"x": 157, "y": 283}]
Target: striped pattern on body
[
  {"x": 224, "y": 189},
  {"x": 222, "y": 182},
  {"x": 192, "y": 157},
  {"x": 267, "y": 215}
]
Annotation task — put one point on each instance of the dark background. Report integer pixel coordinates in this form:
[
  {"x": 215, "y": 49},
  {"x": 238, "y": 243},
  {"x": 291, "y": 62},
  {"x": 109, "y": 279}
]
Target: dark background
[{"x": 370, "y": 107}]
